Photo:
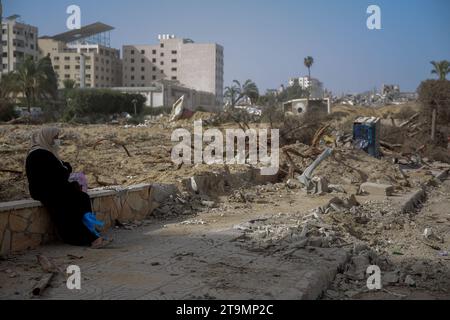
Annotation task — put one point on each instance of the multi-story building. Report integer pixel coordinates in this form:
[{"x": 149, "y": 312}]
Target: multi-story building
[
  {"x": 198, "y": 66},
  {"x": 84, "y": 56},
  {"x": 1, "y": 45},
  {"x": 312, "y": 84},
  {"x": 19, "y": 41}
]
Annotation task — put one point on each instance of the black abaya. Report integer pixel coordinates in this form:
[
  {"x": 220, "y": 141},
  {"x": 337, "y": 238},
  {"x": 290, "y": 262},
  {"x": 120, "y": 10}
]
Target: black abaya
[{"x": 48, "y": 179}]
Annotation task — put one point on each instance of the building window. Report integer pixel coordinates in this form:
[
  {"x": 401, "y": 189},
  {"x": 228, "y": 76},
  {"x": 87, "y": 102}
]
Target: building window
[
  {"x": 56, "y": 67},
  {"x": 154, "y": 51},
  {"x": 132, "y": 51},
  {"x": 142, "y": 60},
  {"x": 132, "y": 69},
  {"x": 162, "y": 63},
  {"x": 162, "y": 45},
  {"x": 132, "y": 60},
  {"x": 66, "y": 67},
  {"x": 154, "y": 68},
  {"x": 154, "y": 60},
  {"x": 162, "y": 54},
  {"x": 142, "y": 69},
  {"x": 67, "y": 58},
  {"x": 174, "y": 78},
  {"x": 56, "y": 58},
  {"x": 174, "y": 69},
  {"x": 174, "y": 52},
  {"x": 174, "y": 60},
  {"x": 154, "y": 77},
  {"x": 142, "y": 77},
  {"x": 67, "y": 76},
  {"x": 142, "y": 51},
  {"x": 132, "y": 77},
  {"x": 162, "y": 71}
]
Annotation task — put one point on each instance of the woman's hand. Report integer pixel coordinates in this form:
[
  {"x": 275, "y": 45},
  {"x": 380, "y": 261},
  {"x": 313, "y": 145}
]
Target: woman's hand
[{"x": 68, "y": 167}]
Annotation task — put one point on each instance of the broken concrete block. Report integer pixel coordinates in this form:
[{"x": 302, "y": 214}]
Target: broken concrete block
[
  {"x": 162, "y": 192},
  {"x": 315, "y": 242},
  {"x": 410, "y": 281},
  {"x": 390, "y": 278},
  {"x": 377, "y": 189},
  {"x": 305, "y": 178},
  {"x": 293, "y": 184},
  {"x": 318, "y": 186},
  {"x": 336, "y": 188}
]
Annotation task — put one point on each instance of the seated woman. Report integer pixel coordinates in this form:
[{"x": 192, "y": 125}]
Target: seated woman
[{"x": 48, "y": 179}]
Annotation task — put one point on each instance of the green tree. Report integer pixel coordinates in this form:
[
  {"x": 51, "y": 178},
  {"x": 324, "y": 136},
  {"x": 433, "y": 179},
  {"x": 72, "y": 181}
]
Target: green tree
[
  {"x": 36, "y": 80},
  {"x": 237, "y": 92},
  {"x": 441, "y": 68},
  {"x": 309, "y": 61},
  {"x": 69, "y": 84},
  {"x": 8, "y": 86}
]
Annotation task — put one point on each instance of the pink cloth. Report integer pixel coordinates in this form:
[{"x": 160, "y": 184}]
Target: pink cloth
[{"x": 81, "y": 179}]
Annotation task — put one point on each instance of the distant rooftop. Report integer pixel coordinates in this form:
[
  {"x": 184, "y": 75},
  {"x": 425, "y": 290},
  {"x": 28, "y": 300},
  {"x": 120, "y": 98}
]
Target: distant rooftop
[{"x": 95, "y": 33}]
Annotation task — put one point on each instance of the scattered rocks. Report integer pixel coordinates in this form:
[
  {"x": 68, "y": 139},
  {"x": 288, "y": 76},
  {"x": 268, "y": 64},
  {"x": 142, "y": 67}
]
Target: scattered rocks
[
  {"x": 377, "y": 189},
  {"x": 409, "y": 280}
]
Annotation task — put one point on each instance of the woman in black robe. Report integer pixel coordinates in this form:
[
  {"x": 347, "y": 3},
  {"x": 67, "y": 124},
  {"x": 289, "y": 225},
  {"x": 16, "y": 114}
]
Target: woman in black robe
[{"x": 48, "y": 179}]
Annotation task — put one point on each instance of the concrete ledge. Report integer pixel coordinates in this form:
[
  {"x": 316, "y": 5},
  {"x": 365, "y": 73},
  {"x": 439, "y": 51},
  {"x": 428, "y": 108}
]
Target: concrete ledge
[{"x": 26, "y": 224}]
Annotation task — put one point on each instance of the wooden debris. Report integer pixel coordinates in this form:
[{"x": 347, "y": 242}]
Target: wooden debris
[
  {"x": 11, "y": 171},
  {"x": 414, "y": 117},
  {"x": 119, "y": 143},
  {"x": 39, "y": 289},
  {"x": 319, "y": 135}
]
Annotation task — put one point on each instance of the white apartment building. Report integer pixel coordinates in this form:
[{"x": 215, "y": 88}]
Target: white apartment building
[
  {"x": 19, "y": 41},
  {"x": 1, "y": 45},
  {"x": 198, "y": 66},
  {"x": 305, "y": 83}
]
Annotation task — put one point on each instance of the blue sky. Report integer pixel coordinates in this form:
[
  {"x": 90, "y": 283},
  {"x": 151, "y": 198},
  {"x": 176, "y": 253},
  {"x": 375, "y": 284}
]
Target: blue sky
[{"x": 266, "y": 40}]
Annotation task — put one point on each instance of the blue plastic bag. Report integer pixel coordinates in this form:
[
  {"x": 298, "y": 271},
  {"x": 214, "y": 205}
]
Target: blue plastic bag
[{"x": 91, "y": 222}]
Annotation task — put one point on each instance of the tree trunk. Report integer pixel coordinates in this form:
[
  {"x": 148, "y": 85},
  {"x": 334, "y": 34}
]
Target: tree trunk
[
  {"x": 309, "y": 87},
  {"x": 433, "y": 125}
]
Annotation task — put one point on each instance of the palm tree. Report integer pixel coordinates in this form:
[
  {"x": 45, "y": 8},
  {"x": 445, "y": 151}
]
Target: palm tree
[
  {"x": 36, "y": 80},
  {"x": 69, "y": 84},
  {"x": 8, "y": 86},
  {"x": 237, "y": 92},
  {"x": 309, "y": 61},
  {"x": 441, "y": 68},
  {"x": 250, "y": 89}
]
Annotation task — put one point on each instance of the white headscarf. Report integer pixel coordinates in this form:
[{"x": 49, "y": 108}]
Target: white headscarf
[{"x": 44, "y": 140}]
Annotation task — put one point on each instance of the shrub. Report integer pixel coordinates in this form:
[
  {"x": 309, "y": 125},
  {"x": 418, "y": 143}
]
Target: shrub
[
  {"x": 93, "y": 102},
  {"x": 7, "y": 111},
  {"x": 435, "y": 94},
  {"x": 157, "y": 111}
]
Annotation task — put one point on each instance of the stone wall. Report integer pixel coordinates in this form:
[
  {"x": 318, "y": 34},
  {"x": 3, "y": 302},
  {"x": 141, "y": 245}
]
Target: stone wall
[{"x": 26, "y": 224}]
